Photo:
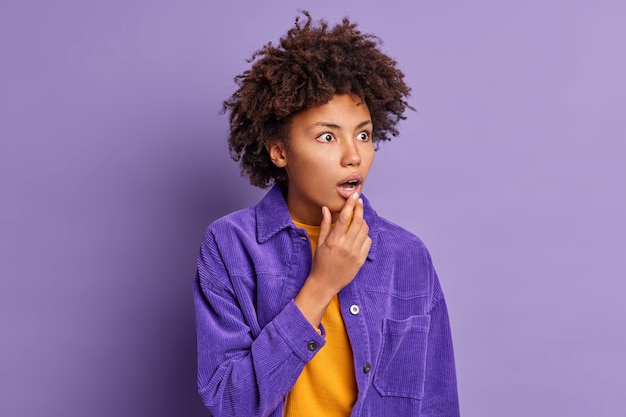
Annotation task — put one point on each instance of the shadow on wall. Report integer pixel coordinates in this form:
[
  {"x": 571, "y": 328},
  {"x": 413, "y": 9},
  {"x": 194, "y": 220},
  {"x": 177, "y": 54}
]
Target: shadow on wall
[
  {"x": 206, "y": 186},
  {"x": 183, "y": 186}
]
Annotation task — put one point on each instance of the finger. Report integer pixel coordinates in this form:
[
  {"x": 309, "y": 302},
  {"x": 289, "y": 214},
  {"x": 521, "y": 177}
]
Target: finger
[
  {"x": 365, "y": 249},
  {"x": 356, "y": 222},
  {"x": 358, "y": 209},
  {"x": 345, "y": 215},
  {"x": 325, "y": 225}
]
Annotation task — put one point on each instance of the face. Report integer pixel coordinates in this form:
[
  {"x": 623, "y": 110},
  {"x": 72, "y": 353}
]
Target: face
[{"x": 328, "y": 157}]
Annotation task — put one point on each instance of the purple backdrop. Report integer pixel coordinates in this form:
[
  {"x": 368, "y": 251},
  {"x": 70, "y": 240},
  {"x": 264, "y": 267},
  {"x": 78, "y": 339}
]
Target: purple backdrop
[{"x": 113, "y": 160}]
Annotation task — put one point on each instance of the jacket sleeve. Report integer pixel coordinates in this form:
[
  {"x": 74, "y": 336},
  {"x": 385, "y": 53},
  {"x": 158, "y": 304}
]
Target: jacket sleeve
[
  {"x": 440, "y": 388},
  {"x": 238, "y": 374}
]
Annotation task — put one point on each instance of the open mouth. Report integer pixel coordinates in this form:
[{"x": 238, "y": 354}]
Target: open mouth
[
  {"x": 352, "y": 185},
  {"x": 349, "y": 185}
]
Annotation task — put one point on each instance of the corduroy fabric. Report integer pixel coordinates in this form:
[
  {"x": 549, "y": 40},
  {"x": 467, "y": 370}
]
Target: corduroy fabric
[
  {"x": 253, "y": 342},
  {"x": 327, "y": 385}
]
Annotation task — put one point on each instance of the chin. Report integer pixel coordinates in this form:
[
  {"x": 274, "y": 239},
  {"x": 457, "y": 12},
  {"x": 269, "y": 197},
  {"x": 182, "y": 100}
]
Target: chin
[{"x": 336, "y": 207}]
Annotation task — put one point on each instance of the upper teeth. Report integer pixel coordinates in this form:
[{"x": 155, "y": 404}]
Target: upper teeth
[{"x": 353, "y": 182}]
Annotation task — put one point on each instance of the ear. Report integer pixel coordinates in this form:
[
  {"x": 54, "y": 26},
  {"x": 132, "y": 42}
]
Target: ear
[{"x": 277, "y": 152}]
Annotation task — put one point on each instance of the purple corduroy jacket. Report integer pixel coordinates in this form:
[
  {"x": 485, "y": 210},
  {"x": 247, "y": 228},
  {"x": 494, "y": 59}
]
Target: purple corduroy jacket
[{"x": 253, "y": 342}]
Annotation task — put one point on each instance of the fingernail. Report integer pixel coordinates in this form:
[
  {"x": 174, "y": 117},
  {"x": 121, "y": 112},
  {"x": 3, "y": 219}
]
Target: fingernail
[
  {"x": 355, "y": 195},
  {"x": 361, "y": 200}
]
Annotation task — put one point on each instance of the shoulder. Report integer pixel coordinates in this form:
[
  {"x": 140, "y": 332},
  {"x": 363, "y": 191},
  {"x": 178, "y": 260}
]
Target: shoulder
[
  {"x": 244, "y": 218},
  {"x": 396, "y": 239},
  {"x": 223, "y": 245},
  {"x": 231, "y": 227}
]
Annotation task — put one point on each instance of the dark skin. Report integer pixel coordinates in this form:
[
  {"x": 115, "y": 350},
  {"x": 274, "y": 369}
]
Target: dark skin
[
  {"x": 328, "y": 144},
  {"x": 340, "y": 254},
  {"x": 310, "y": 64}
]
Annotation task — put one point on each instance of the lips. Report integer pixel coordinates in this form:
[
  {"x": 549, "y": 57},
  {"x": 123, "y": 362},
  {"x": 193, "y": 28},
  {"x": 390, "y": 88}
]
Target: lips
[{"x": 350, "y": 185}]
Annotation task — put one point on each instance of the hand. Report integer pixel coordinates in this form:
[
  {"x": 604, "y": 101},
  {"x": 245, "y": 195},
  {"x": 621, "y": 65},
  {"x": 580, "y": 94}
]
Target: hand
[{"x": 341, "y": 252}]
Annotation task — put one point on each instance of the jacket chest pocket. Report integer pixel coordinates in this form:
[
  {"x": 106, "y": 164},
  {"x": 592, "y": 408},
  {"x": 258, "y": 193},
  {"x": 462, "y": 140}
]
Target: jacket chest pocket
[{"x": 402, "y": 357}]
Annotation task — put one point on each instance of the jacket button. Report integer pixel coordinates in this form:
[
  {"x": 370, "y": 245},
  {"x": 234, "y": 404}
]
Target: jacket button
[
  {"x": 354, "y": 309},
  {"x": 367, "y": 367},
  {"x": 311, "y": 346}
]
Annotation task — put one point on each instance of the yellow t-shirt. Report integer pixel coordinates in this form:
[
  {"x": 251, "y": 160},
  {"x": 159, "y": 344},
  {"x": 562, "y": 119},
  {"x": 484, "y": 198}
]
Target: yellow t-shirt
[{"x": 327, "y": 385}]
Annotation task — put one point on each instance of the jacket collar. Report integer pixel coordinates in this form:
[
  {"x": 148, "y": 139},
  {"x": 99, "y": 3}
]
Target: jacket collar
[{"x": 272, "y": 216}]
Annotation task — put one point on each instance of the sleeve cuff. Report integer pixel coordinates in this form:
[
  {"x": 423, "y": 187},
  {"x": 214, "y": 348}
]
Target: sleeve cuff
[{"x": 298, "y": 333}]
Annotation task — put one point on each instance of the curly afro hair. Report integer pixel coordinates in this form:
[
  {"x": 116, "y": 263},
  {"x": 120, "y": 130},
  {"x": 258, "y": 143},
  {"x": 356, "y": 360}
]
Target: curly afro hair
[{"x": 312, "y": 63}]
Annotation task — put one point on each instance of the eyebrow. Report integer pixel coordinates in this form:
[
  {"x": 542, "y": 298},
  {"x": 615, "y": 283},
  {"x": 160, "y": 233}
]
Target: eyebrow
[{"x": 334, "y": 126}]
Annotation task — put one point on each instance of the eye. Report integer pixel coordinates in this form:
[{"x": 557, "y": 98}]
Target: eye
[
  {"x": 363, "y": 136},
  {"x": 325, "y": 137}
]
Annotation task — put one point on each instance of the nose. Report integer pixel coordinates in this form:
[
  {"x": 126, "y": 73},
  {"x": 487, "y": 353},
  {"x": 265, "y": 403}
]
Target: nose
[{"x": 350, "y": 154}]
